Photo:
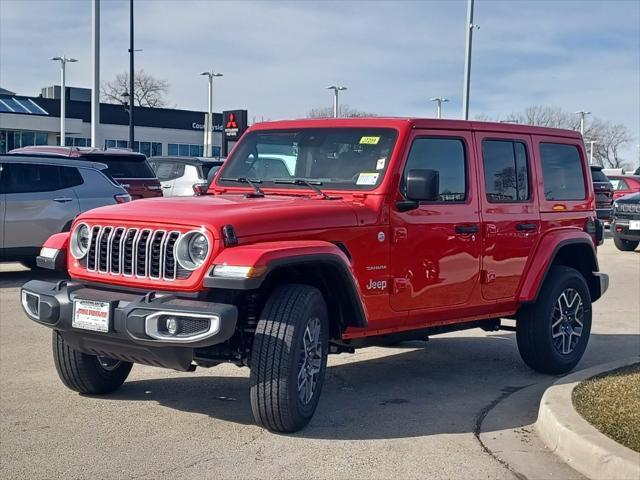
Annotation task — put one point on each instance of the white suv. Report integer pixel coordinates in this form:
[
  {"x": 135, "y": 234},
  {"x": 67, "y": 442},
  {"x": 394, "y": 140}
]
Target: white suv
[{"x": 183, "y": 176}]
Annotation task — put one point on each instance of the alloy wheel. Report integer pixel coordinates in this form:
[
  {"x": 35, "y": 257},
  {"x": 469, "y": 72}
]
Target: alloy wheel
[
  {"x": 567, "y": 321},
  {"x": 310, "y": 361}
]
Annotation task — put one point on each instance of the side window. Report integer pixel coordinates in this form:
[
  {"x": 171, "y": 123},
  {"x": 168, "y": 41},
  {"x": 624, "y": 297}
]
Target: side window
[
  {"x": 179, "y": 170},
  {"x": 562, "y": 173},
  {"x": 32, "y": 178},
  {"x": 447, "y": 157},
  {"x": 70, "y": 177},
  {"x": 619, "y": 184},
  {"x": 506, "y": 171},
  {"x": 164, "y": 170}
]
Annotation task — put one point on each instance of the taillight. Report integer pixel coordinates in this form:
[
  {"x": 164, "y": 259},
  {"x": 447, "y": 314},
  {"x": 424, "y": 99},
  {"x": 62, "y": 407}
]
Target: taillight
[
  {"x": 200, "y": 188},
  {"x": 595, "y": 228},
  {"x": 122, "y": 198}
]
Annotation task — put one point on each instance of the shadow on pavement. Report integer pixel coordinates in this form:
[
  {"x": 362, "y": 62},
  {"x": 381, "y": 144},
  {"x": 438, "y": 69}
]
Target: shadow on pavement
[
  {"x": 444, "y": 387},
  {"x": 14, "y": 279}
]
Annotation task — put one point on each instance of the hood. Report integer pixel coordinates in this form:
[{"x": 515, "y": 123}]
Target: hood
[
  {"x": 631, "y": 198},
  {"x": 249, "y": 216}
]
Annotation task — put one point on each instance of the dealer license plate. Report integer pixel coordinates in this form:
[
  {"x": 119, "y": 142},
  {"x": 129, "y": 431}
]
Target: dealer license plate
[
  {"x": 91, "y": 315},
  {"x": 634, "y": 224}
]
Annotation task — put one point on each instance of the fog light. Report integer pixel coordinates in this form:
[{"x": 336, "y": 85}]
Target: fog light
[{"x": 172, "y": 325}]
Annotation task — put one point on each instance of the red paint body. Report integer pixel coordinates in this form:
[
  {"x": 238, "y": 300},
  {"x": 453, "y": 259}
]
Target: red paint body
[
  {"x": 628, "y": 185},
  {"x": 431, "y": 274}
]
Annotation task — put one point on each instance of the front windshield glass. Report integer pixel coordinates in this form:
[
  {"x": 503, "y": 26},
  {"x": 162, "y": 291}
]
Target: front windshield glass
[{"x": 336, "y": 158}]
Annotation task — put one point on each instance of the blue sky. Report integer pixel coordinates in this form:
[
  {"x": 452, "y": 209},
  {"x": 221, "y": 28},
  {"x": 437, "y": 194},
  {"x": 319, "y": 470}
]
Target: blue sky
[{"x": 278, "y": 57}]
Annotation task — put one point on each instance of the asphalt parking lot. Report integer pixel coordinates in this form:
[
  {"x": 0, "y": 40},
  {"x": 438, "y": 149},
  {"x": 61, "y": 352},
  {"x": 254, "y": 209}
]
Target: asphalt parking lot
[{"x": 410, "y": 412}]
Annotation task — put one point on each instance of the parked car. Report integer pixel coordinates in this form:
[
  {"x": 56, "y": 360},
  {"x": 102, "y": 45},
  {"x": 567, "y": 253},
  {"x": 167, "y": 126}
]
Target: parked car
[
  {"x": 183, "y": 176},
  {"x": 624, "y": 185},
  {"x": 385, "y": 230},
  {"x": 625, "y": 223},
  {"x": 604, "y": 193},
  {"x": 129, "y": 169},
  {"x": 41, "y": 196}
]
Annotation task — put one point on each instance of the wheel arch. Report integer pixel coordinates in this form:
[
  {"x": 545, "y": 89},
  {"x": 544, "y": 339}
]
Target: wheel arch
[
  {"x": 322, "y": 265},
  {"x": 577, "y": 252}
]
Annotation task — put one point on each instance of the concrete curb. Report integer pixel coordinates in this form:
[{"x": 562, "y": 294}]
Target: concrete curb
[{"x": 578, "y": 443}]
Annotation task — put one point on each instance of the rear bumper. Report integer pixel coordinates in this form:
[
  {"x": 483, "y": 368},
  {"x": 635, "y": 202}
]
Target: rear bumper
[
  {"x": 604, "y": 214},
  {"x": 136, "y": 330}
]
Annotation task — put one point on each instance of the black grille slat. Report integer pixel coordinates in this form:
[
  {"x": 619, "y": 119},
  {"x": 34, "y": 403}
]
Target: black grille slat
[
  {"x": 141, "y": 253},
  {"x": 103, "y": 249}
]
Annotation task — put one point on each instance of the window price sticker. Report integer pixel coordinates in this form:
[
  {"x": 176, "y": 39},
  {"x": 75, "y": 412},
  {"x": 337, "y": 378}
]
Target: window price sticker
[{"x": 369, "y": 140}]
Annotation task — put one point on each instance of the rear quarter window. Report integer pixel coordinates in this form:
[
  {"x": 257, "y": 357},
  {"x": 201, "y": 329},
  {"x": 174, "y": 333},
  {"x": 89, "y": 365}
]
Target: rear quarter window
[
  {"x": 598, "y": 176},
  {"x": 562, "y": 173}
]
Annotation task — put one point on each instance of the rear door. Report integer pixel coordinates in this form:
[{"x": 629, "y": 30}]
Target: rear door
[
  {"x": 166, "y": 173},
  {"x": 510, "y": 217},
  {"x": 40, "y": 201}
]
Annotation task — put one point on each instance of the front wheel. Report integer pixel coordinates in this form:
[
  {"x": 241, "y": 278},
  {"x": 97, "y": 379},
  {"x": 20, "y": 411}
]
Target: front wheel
[
  {"x": 625, "y": 245},
  {"x": 289, "y": 358},
  {"x": 88, "y": 374},
  {"x": 553, "y": 332}
]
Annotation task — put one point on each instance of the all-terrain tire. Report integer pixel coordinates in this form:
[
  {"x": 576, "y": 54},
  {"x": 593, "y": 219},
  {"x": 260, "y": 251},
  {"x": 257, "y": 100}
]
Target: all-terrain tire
[
  {"x": 278, "y": 360},
  {"x": 536, "y": 323},
  {"x": 625, "y": 245},
  {"x": 85, "y": 373}
]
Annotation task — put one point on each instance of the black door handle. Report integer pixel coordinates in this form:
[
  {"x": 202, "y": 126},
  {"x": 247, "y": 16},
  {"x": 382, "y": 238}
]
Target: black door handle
[
  {"x": 467, "y": 229},
  {"x": 526, "y": 227}
]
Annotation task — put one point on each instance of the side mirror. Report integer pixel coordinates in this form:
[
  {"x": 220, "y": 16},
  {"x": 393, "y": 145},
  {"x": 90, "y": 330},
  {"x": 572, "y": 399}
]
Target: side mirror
[{"x": 423, "y": 185}]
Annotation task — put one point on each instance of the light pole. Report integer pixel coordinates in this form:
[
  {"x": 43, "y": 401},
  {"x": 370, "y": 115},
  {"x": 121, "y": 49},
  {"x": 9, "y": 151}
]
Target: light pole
[
  {"x": 208, "y": 125},
  {"x": 131, "y": 74},
  {"x": 336, "y": 89},
  {"x": 591, "y": 144},
  {"x": 63, "y": 93},
  {"x": 440, "y": 101},
  {"x": 582, "y": 114},
  {"x": 467, "y": 60}
]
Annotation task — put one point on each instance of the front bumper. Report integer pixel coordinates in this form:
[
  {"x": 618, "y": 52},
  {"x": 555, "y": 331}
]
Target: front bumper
[
  {"x": 133, "y": 333},
  {"x": 620, "y": 228}
]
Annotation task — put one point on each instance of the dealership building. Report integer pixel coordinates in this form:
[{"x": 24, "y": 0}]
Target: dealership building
[{"x": 26, "y": 121}]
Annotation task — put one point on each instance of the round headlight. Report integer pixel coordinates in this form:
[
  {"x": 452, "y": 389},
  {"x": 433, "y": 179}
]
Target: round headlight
[
  {"x": 192, "y": 250},
  {"x": 80, "y": 241}
]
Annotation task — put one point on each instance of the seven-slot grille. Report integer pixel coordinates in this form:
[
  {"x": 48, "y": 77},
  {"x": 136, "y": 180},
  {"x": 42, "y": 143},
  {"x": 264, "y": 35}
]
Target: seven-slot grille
[{"x": 133, "y": 252}]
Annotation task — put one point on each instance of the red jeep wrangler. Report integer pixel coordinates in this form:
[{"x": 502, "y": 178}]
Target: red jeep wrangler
[{"x": 321, "y": 236}]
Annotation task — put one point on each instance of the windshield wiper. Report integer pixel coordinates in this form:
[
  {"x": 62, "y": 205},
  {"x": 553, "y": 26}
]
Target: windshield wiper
[
  {"x": 312, "y": 184},
  {"x": 252, "y": 183}
]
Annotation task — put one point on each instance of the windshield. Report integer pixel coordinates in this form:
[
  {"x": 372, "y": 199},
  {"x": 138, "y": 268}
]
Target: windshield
[
  {"x": 125, "y": 166},
  {"x": 337, "y": 158}
]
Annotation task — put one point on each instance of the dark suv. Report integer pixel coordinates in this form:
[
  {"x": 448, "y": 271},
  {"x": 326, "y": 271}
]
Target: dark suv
[
  {"x": 604, "y": 193},
  {"x": 625, "y": 222},
  {"x": 129, "y": 169}
]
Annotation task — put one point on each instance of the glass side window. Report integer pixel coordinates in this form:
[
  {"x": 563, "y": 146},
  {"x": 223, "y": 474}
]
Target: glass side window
[
  {"x": 33, "y": 178},
  {"x": 506, "y": 171},
  {"x": 447, "y": 157},
  {"x": 165, "y": 171},
  {"x": 562, "y": 172},
  {"x": 619, "y": 184}
]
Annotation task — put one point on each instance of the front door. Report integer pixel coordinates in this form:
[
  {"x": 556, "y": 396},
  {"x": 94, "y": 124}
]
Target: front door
[
  {"x": 435, "y": 254},
  {"x": 510, "y": 216}
]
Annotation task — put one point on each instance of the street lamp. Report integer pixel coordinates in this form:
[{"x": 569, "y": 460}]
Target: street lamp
[
  {"x": 63, "y": 94},
  {"x": 467, "y": 60},
  {"x": 440, "y": 101},
  {"x": 582, "y": 114},
  {"x": 208, "y": 143},
  {"x": 336, "y": 89}
]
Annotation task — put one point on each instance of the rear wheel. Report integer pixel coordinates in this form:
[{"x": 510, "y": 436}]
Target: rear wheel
[
  {"x": 88, "y": 374},
  {"x": 289, "y": 358},
  {"x": 553, "y": 332},
  {"x": 625, "y": 245}
]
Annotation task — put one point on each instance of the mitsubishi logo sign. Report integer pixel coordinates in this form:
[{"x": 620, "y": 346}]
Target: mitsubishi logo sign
[{"x": 235, "y": 123}]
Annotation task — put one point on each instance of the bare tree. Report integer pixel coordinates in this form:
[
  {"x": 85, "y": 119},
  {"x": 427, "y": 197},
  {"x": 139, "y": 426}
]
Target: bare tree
[
  {"x": 148, "y": 91},
  {"x": 345, "y": 111},
  {"x": 609, "y": 138}
]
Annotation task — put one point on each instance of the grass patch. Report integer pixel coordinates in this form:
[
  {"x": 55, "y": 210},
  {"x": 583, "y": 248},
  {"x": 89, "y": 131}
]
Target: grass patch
[{"x": 611, "y": 403}]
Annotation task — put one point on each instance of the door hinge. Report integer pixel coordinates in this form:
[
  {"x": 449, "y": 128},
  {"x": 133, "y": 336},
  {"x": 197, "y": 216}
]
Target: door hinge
[
  {"x": 488, "y": 276},
  {"x": 399, "y": 234}
]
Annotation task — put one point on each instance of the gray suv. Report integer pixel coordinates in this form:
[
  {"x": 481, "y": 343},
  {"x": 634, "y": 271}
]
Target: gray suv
[{"x": 41, "y": 196}]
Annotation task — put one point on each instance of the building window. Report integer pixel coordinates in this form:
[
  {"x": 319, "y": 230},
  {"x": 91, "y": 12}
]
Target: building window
[
  {"x": 185, "y": 150},
  {"x": 156, "y": 149},
  {"x": 42, "y": 138},
  {"x": 122, "y": 143},
  {"x": 145, "y": 148}
]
